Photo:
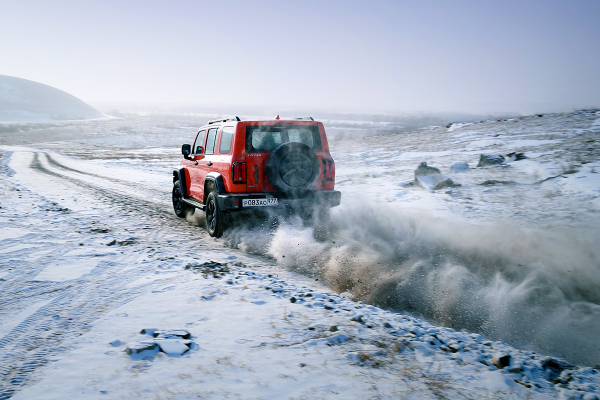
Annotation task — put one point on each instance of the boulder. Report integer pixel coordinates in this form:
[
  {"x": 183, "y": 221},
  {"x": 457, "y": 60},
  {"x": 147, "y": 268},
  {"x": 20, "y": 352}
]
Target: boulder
[
  {"x": 146, "y": 350},
  {"x": 488, "y": 159},
  {"x": 435, "y": 182},
  {"x": 423, "y": 169},
  {"x": 431, "y": 179},
  {"x": 459, "y": 167},
  {"x": 137, "y": 348}
]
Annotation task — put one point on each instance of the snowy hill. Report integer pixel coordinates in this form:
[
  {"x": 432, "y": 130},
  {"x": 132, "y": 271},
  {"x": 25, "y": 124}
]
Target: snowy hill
[{"x": 22, "y": 100}]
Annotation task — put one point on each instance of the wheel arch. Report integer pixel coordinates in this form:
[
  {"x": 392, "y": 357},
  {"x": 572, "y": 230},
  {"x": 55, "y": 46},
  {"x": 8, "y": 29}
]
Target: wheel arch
[
  {"x": 179, "y": 175},
  {"x": 213, "y": 181}
]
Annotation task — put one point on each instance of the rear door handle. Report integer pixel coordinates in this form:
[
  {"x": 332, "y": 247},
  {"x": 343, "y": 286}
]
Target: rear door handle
[{"x": 209, "y": 163}]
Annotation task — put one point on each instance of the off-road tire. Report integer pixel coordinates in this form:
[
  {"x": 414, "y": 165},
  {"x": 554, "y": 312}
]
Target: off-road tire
[
  {"x": 215, "y": 219},
  {"x": 293, "y": 169},
  {"x": 181, "y": 209}
]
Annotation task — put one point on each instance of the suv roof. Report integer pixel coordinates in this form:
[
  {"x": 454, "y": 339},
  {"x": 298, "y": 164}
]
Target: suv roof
[{"x": 235, "y": 118}]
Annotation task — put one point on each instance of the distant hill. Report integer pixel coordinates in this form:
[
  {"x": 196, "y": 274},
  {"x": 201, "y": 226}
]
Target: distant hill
[{"x": 22, "y": 100}]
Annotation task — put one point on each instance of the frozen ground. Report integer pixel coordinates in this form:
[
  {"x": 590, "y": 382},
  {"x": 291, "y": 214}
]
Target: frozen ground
[{"x": 92, "y": 254}]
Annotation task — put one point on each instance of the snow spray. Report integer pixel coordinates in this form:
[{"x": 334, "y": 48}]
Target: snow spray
[{"x": 537, "y": 290}]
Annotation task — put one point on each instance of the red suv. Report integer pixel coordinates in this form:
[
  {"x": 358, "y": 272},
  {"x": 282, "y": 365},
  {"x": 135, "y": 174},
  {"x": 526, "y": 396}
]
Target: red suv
[{"x": 253, "y": 166}]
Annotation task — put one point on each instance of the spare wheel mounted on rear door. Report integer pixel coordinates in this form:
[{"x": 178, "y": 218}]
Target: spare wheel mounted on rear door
[{"x": 293, "y": 169}]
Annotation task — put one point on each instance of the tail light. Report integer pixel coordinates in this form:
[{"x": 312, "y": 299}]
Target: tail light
[
  {"x": 238, "y": 172},
  {"x": 328, "y": 170}
]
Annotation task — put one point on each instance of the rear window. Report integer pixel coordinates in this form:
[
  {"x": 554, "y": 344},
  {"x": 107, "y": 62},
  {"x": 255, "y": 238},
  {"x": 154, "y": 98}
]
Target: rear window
[{"x": 265, "y": 138}]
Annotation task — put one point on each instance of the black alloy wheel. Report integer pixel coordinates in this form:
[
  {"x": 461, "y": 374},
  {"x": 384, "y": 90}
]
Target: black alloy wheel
[{"x": 179, "y": 206}]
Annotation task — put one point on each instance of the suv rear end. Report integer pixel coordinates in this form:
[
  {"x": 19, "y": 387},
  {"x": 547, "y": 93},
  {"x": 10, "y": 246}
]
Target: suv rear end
[{"x": 274, "y": 164}]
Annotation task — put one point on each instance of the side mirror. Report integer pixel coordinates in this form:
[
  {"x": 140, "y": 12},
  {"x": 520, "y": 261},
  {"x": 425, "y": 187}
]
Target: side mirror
[{"x": 186, "y": 150}]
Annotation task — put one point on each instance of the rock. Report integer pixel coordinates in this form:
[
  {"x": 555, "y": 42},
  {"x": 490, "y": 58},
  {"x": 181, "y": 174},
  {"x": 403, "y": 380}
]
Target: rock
[
  {"x": 435, "y": 182},
  {"x": 138, "y": 348},
  {"x": 148, "y": 331},
  {"x": 333, "y": 328},
  {"x": 459, "y": 167},
  {"x": 495, "y": 182},
  {"x": 488, "y": 159},
  {"x": 516, "y": 156},
  {"x": 127, "y": 242},
  {"x": 431, "y": 179},
  {"x": 553, "y": 367},
  {"x": 423, "y": 169},
  {"x": 501, "y": 360},
  {"x": 174, "y": 347},
  {"x": 116, "y": 343},
  {"x": 172, "y": 333}
]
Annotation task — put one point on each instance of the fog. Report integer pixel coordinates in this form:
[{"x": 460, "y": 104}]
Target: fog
[{"x": 353, "y": 57}]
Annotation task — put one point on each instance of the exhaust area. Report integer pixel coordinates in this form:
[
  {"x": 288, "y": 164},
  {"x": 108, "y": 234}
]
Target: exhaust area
[{"x": 537, "y": 290}]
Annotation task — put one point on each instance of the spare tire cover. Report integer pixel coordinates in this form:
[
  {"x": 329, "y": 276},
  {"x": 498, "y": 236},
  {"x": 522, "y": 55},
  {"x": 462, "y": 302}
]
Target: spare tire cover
[{"x": 292, "y": 168}]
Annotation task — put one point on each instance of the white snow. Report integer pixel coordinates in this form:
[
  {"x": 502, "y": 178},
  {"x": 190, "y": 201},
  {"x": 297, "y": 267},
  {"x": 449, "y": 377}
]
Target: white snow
[
  {"x": 66, "y": 269},
  {"x": 92, "y": 255}
]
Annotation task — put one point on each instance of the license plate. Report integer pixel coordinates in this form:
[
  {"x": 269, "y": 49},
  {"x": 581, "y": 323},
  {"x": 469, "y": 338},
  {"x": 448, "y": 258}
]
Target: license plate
[{"x": 259, "y": 202}]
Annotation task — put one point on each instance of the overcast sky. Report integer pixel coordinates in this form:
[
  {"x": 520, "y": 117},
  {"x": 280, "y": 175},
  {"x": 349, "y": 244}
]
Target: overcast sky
[{"x": 371, "y": 56}]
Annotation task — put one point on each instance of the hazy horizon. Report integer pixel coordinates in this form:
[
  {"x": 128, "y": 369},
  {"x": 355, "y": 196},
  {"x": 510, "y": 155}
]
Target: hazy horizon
[{"x": 381, "y": 57}]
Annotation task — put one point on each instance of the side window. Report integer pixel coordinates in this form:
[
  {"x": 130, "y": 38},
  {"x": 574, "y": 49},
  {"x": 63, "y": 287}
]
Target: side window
[
  {"x": 197, "y": 148},
  {"x": 210, "y": 141},
  {"x": 226, "y": 139}
]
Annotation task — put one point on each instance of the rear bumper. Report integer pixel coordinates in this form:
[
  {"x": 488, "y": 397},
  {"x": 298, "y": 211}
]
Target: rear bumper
[{"x": 314, "y": 198}]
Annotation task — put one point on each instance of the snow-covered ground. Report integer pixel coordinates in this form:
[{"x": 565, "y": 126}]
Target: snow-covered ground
[{"x": 484, "y": 290}]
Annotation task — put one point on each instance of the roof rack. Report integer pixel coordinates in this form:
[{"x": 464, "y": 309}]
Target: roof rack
[
  {"x": 305, "y": 118},
  {"x": 234, "y": 118}
]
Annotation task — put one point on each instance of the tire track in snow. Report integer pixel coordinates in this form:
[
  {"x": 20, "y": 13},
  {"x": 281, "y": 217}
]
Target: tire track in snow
[
  {"x": 43, "y": 334},
  {"x": 77, "y": 303},
  {"x": 123, "y": 200},
  {"x": 138, "y": 186}
]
